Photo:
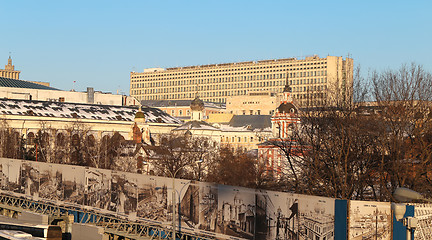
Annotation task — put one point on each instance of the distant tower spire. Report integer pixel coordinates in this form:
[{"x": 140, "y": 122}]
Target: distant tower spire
[
  {"x": 287, "y": 91},
  {"x": 10, "y": 59}
]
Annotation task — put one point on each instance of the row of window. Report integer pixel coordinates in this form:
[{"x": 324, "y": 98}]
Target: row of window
[
  {"x": 227, "y": 86},
  {"x": 191, "y": 94},
  {"x": 253, "y": 112},
  {"x": 241, "y": 139},
  {"x": 224, "y": 78},
  {"x": 197, "y": 70}
]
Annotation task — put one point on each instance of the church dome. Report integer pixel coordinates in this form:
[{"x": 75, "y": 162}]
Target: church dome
[
  {"x": 287, "y": 108},
  {"x": 197, "y": 104},
  {"x": 139, "y": 114}
]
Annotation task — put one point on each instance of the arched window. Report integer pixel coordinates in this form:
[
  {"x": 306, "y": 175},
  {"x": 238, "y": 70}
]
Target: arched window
[
  {"x": 30, "y": 138},
  {"x": 60, "y": 139},
  {"x": 90, "y": 141},
  {"x": 75, "y": 140}
]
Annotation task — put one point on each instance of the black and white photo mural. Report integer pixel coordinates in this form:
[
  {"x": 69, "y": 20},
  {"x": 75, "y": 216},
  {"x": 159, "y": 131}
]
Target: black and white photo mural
[
  {"x": 277, "y": 215},
  {"x": 220, "y": 211},
  {"x": 51, "y": 184},
  {"x": 369, "y": 220},
  {"x": 74, "y": 184},
  {"x": 208, "y": 206},
  {"x": 123, "y": 193},
  {"x": 187, "y": 203},
  {"x": 236, "y": 211},
  {"x": 316, "y": 217},
  {"x": 152, "y": 198},
  {"x": 11, "y": 171},
  {"x": 97, "y": 186},
  {"x": 29, "y": 180}
]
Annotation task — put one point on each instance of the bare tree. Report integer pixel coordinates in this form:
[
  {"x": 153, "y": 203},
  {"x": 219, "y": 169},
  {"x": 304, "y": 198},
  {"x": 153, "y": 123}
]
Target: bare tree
[
  {"x": 12, "y": 144},
  {"x": 404, "y": 98},
  {"x": 333, "y": 150},
  {"x": 76, "y": 136},
  {"x": 234, "y": 168},
  {"x": 44, "y": 143},
  {"x": 179, "y": 153}
]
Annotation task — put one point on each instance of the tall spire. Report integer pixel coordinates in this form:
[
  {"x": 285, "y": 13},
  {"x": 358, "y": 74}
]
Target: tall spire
[
  {"x": 287, "y": 92},
  {"x": 10, "y": 59},
  {"x": 287, "y": 87}
]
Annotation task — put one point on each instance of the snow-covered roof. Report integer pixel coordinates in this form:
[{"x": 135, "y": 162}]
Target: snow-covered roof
[
  {"x": 247, "y": 128},
  {"x": 82, "y": 111},
  {"x": 196, "y": 125}
]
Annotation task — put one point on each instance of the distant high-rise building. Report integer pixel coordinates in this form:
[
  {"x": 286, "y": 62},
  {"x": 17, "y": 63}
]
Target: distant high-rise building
[
  {"x": 312, "y": 79},
  {"x": 9, "y": 71}
]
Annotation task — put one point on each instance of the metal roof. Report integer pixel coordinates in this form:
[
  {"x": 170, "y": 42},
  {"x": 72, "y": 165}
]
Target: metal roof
[
  {"x": 254, "y": 121},
  {"x": 15, "y": 83}
]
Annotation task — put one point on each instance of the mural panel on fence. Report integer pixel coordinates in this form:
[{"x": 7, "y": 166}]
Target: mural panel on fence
[
  {"x": 277, "y": 215},
  {"x": 208, "y": 206},
  {"x": 97, "y": 185},
  {"x": 123, "y": 193},
  {"x": 11, "y": 170},
  {"x": 316, "y": 217},
  {"x": 423, "y": 212},
  {"x": 369, "y": 220},
  {"x": 224, "y": 212},
  {"x": 152, "y": 198},
  {"x": 73, "y": 184},
  {"x": 29, "y": 179},
  {"x": 236, "y": 211},
  {"x": 51, "y": 185}
]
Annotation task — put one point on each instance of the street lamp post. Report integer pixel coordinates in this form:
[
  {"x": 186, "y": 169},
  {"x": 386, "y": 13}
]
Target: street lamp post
[{"x": 174, "y": 198}]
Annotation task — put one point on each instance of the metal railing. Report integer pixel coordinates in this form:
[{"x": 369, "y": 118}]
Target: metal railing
[{"x": 113, "y": 225}]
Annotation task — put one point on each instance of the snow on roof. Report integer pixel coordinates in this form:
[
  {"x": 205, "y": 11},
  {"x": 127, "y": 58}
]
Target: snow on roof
[
  {"x": 81, "y": 111},
  {"x": 247, "y": 128},
  {"x": 196, "y": 125}
]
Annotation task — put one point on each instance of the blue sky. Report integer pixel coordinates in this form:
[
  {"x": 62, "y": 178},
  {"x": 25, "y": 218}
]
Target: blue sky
[{"x": 98, "y": 43}]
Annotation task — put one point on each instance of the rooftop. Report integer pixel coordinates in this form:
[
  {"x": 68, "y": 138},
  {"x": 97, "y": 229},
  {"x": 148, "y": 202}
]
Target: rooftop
[
  {"x": 15, "y": 83},
  {"x": 82, "y": 111},
  {"x": 178, "y": 103}
]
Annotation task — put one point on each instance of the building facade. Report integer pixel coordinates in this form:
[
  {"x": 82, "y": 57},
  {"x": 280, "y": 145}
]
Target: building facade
[
  {"x": 9, "y": 71},
  {"x": 311, "y": 78},
  {"x": 28, "y": 90},
  {"x": 262, "y": 103}
]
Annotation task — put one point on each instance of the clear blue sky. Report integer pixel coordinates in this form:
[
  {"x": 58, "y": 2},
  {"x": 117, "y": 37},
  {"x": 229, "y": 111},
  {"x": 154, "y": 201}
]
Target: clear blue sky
[{"x": 98, "y": 43}]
